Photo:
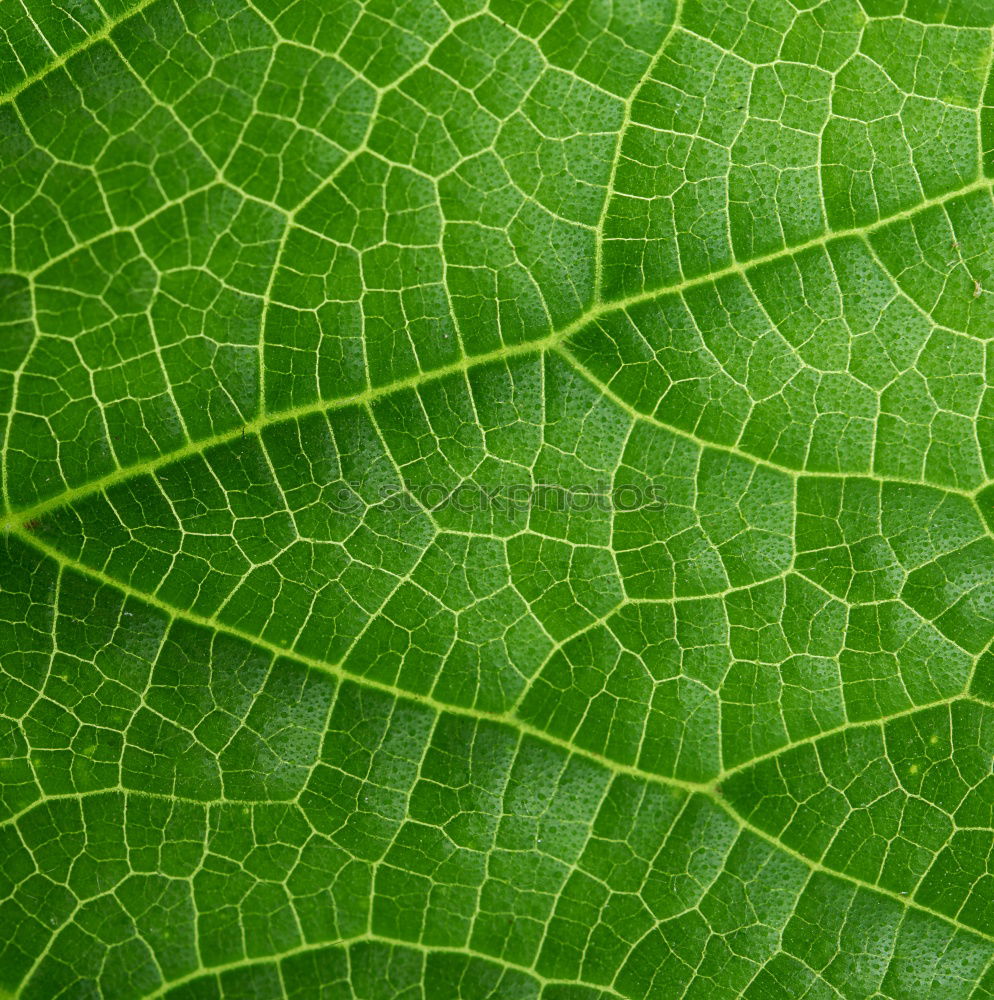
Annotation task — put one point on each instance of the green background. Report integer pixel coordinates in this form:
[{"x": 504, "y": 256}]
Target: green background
[{"x": 258, "y": 257}]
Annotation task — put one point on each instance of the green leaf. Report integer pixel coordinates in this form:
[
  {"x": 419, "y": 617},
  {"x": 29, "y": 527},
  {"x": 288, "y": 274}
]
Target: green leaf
[{"x": 498, "y": 499}]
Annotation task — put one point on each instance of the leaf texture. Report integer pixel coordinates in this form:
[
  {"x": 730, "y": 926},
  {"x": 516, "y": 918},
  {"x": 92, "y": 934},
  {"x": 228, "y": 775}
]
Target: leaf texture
[{"x": 496, "y": 499}]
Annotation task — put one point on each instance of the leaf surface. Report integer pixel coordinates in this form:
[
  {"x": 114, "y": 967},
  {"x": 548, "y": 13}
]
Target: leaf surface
[{"x": 496, "y": 499}]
